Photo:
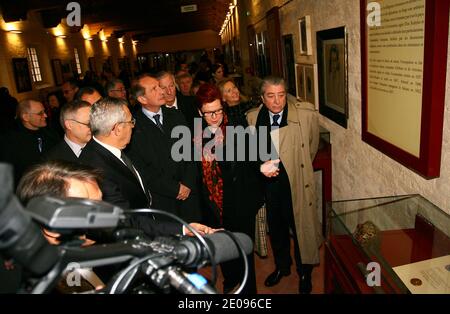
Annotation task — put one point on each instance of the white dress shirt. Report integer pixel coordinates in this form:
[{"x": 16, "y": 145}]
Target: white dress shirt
[
  {"x": 76, "y": 148},
  {"x": 271, "y": 114},
  {"x": 175, "y": 104},
  {"x": 151, "y": 115}
]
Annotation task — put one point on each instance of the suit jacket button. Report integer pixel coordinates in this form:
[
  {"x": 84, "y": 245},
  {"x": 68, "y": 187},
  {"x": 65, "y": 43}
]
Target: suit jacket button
[
  {"x": 307, "y": 186},
  {"x": 303, "y": 145},
  {"x": 303, "y": 166},
  {"x": 310, "y": 204}
]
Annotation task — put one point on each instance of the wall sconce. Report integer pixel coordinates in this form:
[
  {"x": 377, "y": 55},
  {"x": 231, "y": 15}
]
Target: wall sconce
[{"x": 15, "y": 31}]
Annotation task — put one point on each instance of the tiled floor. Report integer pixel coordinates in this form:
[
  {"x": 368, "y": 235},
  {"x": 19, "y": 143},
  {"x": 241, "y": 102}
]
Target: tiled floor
[{"x": 288, "y": 285}]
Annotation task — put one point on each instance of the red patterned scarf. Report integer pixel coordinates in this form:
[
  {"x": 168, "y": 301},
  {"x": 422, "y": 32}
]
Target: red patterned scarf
[{"x": 212, "y": 175}]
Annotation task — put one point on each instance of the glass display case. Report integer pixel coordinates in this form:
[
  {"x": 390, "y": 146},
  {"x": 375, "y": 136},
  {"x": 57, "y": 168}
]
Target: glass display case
[{"x": 398, "y": 244}]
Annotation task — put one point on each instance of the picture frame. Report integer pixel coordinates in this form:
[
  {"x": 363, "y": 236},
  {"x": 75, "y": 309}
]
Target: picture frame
[
  {"x": 332, "y": 71},
  {"x": 403, "y": 106},
  {"x": 22, "y": 75},
  {"x": 300, "y": 82},
  {"x": 289, "y": 63},
  {"x": 57, "y": 72},
  {"x": 304, "y": 32},
  {"x": 307, "y": 85},
  {"x": 311, "y": 86}
]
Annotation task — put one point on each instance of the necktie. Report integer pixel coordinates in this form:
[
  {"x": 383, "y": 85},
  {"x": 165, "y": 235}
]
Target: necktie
[
  {"x": 39, "y": 139},
  {"x": 129, "y": 164},
  {"x": 275, "y": 120},
  {"x": 158, "y": 123}
]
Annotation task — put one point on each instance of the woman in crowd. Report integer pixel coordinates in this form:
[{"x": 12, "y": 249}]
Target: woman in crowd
[
  {"x": 218, "y": 73},
  {"x": 237, "y": 105},
  {"x": 231, "y": 189}
]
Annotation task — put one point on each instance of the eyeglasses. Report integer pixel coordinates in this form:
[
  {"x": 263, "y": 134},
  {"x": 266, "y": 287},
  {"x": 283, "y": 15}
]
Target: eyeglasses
[
  {"x": 122, "y": 90},
  {"x": 40, "y": 113},
  {"x": 132, "y": 121},
  {"x": 86, "y": 124},
  {"x": 210, "y": 114}
]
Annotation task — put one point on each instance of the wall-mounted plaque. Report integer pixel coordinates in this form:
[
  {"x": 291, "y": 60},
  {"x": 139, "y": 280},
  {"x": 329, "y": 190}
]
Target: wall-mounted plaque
[{"x": 404, "y": 61}]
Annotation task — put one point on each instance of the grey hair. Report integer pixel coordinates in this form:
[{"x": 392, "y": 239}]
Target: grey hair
[
  {"x": 69, "y": 110},
  {"x": 25, "y": 105},
  {"x": 112, "y": 84},
  {"x": 162, "y": 74},
  {"x": 271, "y": 80},
  {"x": 106, "y": 113}
]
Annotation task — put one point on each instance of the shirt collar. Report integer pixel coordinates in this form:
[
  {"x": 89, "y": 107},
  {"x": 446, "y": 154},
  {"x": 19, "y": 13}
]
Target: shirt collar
[
  {"x": 114, "y": 150},
  {"x": 175, "y": 104},
  {"x": 271, "y": 114},
  {"x": 151, "y": 115},
  {"x": 76, "y": 148}
]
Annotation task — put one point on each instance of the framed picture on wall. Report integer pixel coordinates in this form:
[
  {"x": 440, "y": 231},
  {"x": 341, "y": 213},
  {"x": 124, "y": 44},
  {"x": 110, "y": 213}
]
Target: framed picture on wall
[
  {"x": 304, "y": 30},
  {"x": 332, "y": 74},
  {"x": 311, "y": 88},
  {"x": 57, "y": 72},
  {"x": 22, "y": 75},
  {"x": 403, "y": 81},
  {"x": 300, "y": 81}
]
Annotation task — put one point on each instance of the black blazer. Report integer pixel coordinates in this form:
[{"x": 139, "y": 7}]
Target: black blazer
[
  {"x": 19, "y": 147},
  {"x": 150, "y": 150},
  {"x": 188, "y": 107},
  {"x": 120, "y": 187},
  {"x": 61, "y": 151}
]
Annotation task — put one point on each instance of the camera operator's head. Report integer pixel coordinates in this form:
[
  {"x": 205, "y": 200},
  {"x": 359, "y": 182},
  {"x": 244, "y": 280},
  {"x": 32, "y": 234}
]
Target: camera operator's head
[{"x": 59, "y": 179}]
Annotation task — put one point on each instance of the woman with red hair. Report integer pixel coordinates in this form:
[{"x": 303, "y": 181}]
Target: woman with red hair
[{"x": 231, "y": 189}]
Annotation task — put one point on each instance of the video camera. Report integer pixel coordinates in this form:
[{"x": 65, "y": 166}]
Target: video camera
[{"x": 166, "y": 262}]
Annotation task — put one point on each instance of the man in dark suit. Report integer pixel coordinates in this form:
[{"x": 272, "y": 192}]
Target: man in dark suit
[
  {"x": 123, "y": 185},
  {"x": 24, "y": 146},
  {"x": 174, "y": 99},
  {"x": 173, "y": 183},
  {"x": 75, "y": 120}
]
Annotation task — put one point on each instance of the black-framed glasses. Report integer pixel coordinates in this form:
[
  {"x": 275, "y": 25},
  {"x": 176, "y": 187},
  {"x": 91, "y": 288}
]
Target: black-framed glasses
[
  {"x": 40, "y": 113},
  {"x": 85, "y": 124},
  {"x": 132, "y": 121},
  {"x": 209, "y": 114}
]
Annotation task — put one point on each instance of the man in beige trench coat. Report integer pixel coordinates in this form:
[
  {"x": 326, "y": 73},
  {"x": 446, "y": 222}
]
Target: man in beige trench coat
[{"x": 289, "y": 180}]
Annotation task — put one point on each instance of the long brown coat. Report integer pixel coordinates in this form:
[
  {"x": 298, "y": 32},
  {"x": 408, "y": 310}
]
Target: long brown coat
[{"x": 298, "y": 144}]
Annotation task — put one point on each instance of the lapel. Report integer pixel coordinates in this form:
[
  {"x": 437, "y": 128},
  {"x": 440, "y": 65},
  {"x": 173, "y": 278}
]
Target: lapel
[{"x": 115, "y": 164}]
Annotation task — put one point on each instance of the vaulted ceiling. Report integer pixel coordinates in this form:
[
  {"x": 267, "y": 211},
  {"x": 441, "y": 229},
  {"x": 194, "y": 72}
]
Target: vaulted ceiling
[{"x": 141, "y": 18}]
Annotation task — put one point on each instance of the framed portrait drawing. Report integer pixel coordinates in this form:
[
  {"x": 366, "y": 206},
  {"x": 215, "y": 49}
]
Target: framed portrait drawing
[
  {"x": 22, "y": 75},
  {"x": 403, "y": 80},
  {"x": 289, "y": 63},
  {"x": 332, "y": 74},
  {"x": 311, "y": 88},
  {"x": 57, "y": 72},
  {"x": 300, "y": 81},
  {"x": 304, "y": 30}
]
